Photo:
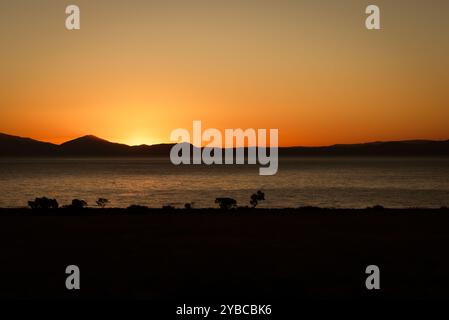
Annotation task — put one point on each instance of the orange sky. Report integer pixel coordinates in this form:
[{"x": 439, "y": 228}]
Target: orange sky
[{"x": 139, "y": 69}]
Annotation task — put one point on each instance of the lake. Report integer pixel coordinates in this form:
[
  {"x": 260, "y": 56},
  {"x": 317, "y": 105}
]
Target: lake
[{"x": 324, "y": 182}]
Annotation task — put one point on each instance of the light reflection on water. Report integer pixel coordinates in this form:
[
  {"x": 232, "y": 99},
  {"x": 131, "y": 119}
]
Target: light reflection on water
[{"x": 327, "y": 182}]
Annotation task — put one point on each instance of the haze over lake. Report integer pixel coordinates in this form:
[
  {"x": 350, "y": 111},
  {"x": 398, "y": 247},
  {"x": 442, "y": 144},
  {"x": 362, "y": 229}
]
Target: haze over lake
[{"x": 324, "y": 182}]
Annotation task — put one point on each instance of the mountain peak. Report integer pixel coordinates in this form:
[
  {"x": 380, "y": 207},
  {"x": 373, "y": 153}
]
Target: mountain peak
[
  {"x": 86, "y": 138},
  {"x": 90, "y": 136}
]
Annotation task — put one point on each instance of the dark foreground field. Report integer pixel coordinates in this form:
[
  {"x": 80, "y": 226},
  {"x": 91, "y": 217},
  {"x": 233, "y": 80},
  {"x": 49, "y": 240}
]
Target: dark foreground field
[{"x": 204, "y": 256}]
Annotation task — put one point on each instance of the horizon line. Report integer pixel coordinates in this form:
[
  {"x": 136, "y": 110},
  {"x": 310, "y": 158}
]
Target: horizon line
[{"x": 170, "y": 143}]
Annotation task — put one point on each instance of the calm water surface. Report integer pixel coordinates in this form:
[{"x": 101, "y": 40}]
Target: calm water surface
[{"x": 326, "y": 182}]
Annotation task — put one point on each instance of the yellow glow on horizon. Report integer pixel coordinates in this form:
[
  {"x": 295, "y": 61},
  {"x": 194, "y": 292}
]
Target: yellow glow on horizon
[
  {"x": 138, "y": 136},
  {"x": 137, "y": 141}
]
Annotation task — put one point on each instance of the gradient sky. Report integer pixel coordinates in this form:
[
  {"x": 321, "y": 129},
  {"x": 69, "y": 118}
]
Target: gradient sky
[{"x": 139, "y": 69}]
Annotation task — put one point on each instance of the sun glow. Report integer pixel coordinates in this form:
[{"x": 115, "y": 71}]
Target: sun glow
[
  {"x": 139, "y": 140},
  {"x": 237, "y": 66}
]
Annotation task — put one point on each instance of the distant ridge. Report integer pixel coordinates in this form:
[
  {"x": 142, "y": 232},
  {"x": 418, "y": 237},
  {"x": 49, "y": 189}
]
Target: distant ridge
[
  {"x": 20, "y": 147},
  {"x": 86, "y": 146},
  {"x": 92, "y": 146},
  {"x": 388, "y": 148}
]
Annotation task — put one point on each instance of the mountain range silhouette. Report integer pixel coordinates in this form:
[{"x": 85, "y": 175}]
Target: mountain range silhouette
[
  {"x": 92, "y": 146},
  {"x": 89, "y": 145}
]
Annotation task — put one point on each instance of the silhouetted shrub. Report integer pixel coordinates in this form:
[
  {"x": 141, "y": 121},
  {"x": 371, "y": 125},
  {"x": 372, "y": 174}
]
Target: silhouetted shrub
[
  {"x": 43, "y": 203},
  {"x": 78, "y": 204},
  {"x": 101, "y": 202},
  {"x": 226, "y": 203},
  {"x": 188, "y": 206},
  {"x": 256, "y": 198}
]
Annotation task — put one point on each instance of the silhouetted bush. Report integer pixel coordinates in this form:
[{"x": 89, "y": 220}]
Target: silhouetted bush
[
  {"x": 256, "y": 198},
  {"x": 101, "y": 202},
  {"x": 188, "y": 206},
  {"x": 78, "y": 204},
  {"x": 226, "y": 203},
  {"x": 43, "y": 203}
]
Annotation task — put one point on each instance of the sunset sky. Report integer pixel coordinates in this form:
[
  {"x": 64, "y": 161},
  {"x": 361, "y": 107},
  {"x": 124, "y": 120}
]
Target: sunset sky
[{"x": 139, "y": 69}]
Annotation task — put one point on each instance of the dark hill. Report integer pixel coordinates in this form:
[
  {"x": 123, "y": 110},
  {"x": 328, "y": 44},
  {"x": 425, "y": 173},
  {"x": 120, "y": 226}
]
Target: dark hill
[
  {"x": 91, "y": 146},
  {"x": 391, "y": 148},
  {"x": 13, "y": 146}
]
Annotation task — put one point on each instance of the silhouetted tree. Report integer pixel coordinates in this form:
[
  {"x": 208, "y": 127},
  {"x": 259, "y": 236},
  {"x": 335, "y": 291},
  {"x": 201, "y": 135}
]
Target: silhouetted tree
[
  {"x": 43, "y": 203},
  {"x": 226, "y": 203},
  {"x": 102, "y": 202},
  {"x": 78, "y": 204},
  {"x": 256, "y": 198}
]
